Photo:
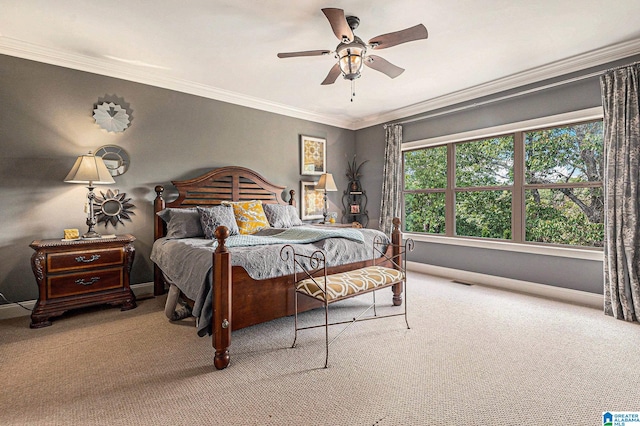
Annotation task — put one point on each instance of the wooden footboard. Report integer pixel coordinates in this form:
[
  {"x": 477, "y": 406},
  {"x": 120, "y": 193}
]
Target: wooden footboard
[{"x": 236, "y": 295}]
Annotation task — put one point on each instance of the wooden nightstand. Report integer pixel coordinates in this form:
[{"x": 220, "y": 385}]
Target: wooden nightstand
[{"x": 74, "y": 274}]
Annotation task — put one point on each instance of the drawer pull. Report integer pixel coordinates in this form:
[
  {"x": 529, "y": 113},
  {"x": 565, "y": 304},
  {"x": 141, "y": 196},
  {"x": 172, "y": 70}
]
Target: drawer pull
[
  {"x": 83, "y": 260},
  {"x": 81, "y": 281}
]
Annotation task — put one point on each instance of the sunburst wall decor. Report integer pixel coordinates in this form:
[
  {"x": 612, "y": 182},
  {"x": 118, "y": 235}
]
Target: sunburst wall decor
[
  {"x": 111, "y": 117},
  {"x": 112, "y": 207}
]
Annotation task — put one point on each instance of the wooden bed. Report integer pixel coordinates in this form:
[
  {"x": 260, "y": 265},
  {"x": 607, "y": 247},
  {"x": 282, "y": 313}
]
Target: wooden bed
[{"x": 239, "y": 300}]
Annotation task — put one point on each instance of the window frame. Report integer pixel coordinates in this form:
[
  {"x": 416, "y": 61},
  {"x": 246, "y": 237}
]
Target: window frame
[{"x": 518, "y": 188}]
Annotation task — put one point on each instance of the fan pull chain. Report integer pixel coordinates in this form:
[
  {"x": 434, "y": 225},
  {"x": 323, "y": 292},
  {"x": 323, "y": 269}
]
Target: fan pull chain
[{"x": 353, "y": 89}]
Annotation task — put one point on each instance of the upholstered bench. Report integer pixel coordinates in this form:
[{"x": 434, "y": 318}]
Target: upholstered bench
[
  {"x": 347, "y": 284},
  {"x": 330, "y": 288}
]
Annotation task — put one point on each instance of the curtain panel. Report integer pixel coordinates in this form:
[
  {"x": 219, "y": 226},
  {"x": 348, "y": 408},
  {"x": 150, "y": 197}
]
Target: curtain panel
[
  {"x": 391, "y": 178},
  {"x": 620, "y": 95}
]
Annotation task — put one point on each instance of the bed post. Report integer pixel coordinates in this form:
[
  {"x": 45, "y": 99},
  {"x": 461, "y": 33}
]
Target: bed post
[
  {"x": 221, "y": 321},
  {"x": 292, "y": 199},
  {"x": 396, "y": 240},
  {"x": 158, "y": 232}
]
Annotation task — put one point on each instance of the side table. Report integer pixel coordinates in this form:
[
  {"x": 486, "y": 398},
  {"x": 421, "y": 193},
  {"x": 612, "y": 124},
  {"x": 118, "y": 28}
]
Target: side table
[{"x": 78, "y": 273}]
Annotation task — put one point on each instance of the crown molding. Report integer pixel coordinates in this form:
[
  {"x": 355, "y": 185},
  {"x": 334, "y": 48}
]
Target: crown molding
[
  {"x": 555, "y": 69},
  {"x": 24, "y": 50}
]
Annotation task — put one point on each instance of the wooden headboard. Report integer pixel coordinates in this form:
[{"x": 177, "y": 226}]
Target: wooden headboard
[{"x": 222, "y": 184}]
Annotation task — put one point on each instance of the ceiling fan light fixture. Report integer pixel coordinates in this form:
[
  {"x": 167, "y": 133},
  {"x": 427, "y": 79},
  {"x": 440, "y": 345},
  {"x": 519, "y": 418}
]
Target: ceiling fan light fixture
[
  {"x": 351, "y": 59},
  {"x": 351, "y": 52}
]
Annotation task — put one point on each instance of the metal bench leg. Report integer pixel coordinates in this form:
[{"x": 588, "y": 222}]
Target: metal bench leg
[
  {"x": 404, "y": 288},
  {"x": 375, "y": 313},
  {"x": 326, "y": 332},
  {"x": 295, "y": 320}
]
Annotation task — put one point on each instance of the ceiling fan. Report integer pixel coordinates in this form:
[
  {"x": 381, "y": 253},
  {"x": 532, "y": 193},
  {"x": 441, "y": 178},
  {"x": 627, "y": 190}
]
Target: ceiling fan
[{"x": 352, "y": 51}]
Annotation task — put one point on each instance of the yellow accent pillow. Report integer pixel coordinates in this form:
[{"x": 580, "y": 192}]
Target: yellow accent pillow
[{"x": 249, "y": 215}]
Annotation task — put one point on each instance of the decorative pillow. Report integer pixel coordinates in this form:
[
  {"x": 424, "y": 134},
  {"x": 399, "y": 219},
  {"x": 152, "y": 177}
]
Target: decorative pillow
[
  {"x": 249, "y": 216},
  {"x": 182, "y": 223},
  {"x": 277, "y": 215},
  {"x": 294, "y": 216},
  {"x": 212, "y": 217},
  {"x": 281, "y": 216}
]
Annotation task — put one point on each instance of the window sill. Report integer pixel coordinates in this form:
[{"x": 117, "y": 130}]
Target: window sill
[{"x": 570, "y": 252}]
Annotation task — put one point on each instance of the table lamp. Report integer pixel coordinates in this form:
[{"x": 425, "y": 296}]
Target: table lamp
[
  {"x": 326, "y": 183},
  {"x": 90, "y": 170}
]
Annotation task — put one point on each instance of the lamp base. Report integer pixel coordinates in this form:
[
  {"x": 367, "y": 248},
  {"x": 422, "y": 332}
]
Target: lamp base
[
  {"x": 325, "y": 209},
  {"x": 91, "y": 234},
  {"x": 91, "y": 217}
]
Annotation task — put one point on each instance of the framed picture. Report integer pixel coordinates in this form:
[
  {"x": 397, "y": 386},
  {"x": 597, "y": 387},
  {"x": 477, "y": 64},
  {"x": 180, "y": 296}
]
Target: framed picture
[
  {"x": 312, "y": 201},
  {"x": 355, "y": 208},
  {"x": 313, "y": 155}
]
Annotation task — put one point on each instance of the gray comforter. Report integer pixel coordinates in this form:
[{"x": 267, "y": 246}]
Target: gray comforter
[{"x": 187, "y": 263}]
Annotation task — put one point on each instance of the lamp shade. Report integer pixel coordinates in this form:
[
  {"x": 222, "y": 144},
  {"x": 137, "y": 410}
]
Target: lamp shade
[
  {"x": 91, "y": 170},
  {"x": 326, "y": 183}
]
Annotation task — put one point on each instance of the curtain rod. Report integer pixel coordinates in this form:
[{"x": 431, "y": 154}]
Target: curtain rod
[{"x": 501, "y": 98}]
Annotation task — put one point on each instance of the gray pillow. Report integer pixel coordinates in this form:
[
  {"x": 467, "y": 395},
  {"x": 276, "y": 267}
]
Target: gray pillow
[
  {"x": 281, "y": 216},
  {"x": 182, "y": 223},
  {"x": 293, "y": 215},
  {"x": 212, "y": 217}
]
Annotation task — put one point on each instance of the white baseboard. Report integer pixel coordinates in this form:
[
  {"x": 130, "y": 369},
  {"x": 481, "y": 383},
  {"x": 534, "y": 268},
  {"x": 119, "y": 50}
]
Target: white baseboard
[
  {"x": 12, "y": 310},
  {"x": 143, "y": 290},
  {"x": 558, "y": 293}
]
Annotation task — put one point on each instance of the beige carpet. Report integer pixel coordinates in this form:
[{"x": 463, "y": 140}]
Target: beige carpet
[{"x": 473, "y": 356}]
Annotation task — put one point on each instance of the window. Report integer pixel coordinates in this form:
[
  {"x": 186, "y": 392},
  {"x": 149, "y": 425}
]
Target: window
[
  {"x": 537, "y": 186},
  {"x": 563, "y": 185},
  {"x": 425, "y": 188},
  {"x": 483, "y": 188}
]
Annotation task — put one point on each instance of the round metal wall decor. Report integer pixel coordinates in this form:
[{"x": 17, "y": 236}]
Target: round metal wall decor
[
  {"x": 112, "y": 207},
  {"x": 115, "y": 158},
  {"x": 111, "y": 117}
]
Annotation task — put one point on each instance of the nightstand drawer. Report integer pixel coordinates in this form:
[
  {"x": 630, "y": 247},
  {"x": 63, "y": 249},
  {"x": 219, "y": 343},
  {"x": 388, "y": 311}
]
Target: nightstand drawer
[
  {"x": 84, "y": 282},
  {"x": 74, "y": 260}
]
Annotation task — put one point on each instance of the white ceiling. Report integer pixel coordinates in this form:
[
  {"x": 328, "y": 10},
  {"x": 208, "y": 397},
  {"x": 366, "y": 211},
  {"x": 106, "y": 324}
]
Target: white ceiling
[{"x": 226, "y": 49}]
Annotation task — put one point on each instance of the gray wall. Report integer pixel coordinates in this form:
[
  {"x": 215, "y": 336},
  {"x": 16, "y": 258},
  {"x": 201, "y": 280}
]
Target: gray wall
[
  {"x": 585, "y": 275},
  {"x": 46, "y": 122}
]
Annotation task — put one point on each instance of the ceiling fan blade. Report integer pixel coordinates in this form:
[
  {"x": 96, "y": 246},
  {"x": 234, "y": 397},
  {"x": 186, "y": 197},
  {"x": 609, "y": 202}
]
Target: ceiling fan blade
[
  {"x": 383, "y": 41},
  {"x": 304, "y": 53},
  {"x": 379, "y": 64},
  {"x": 332, "y": 76},
  {"x": 339, "y": 24}
]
